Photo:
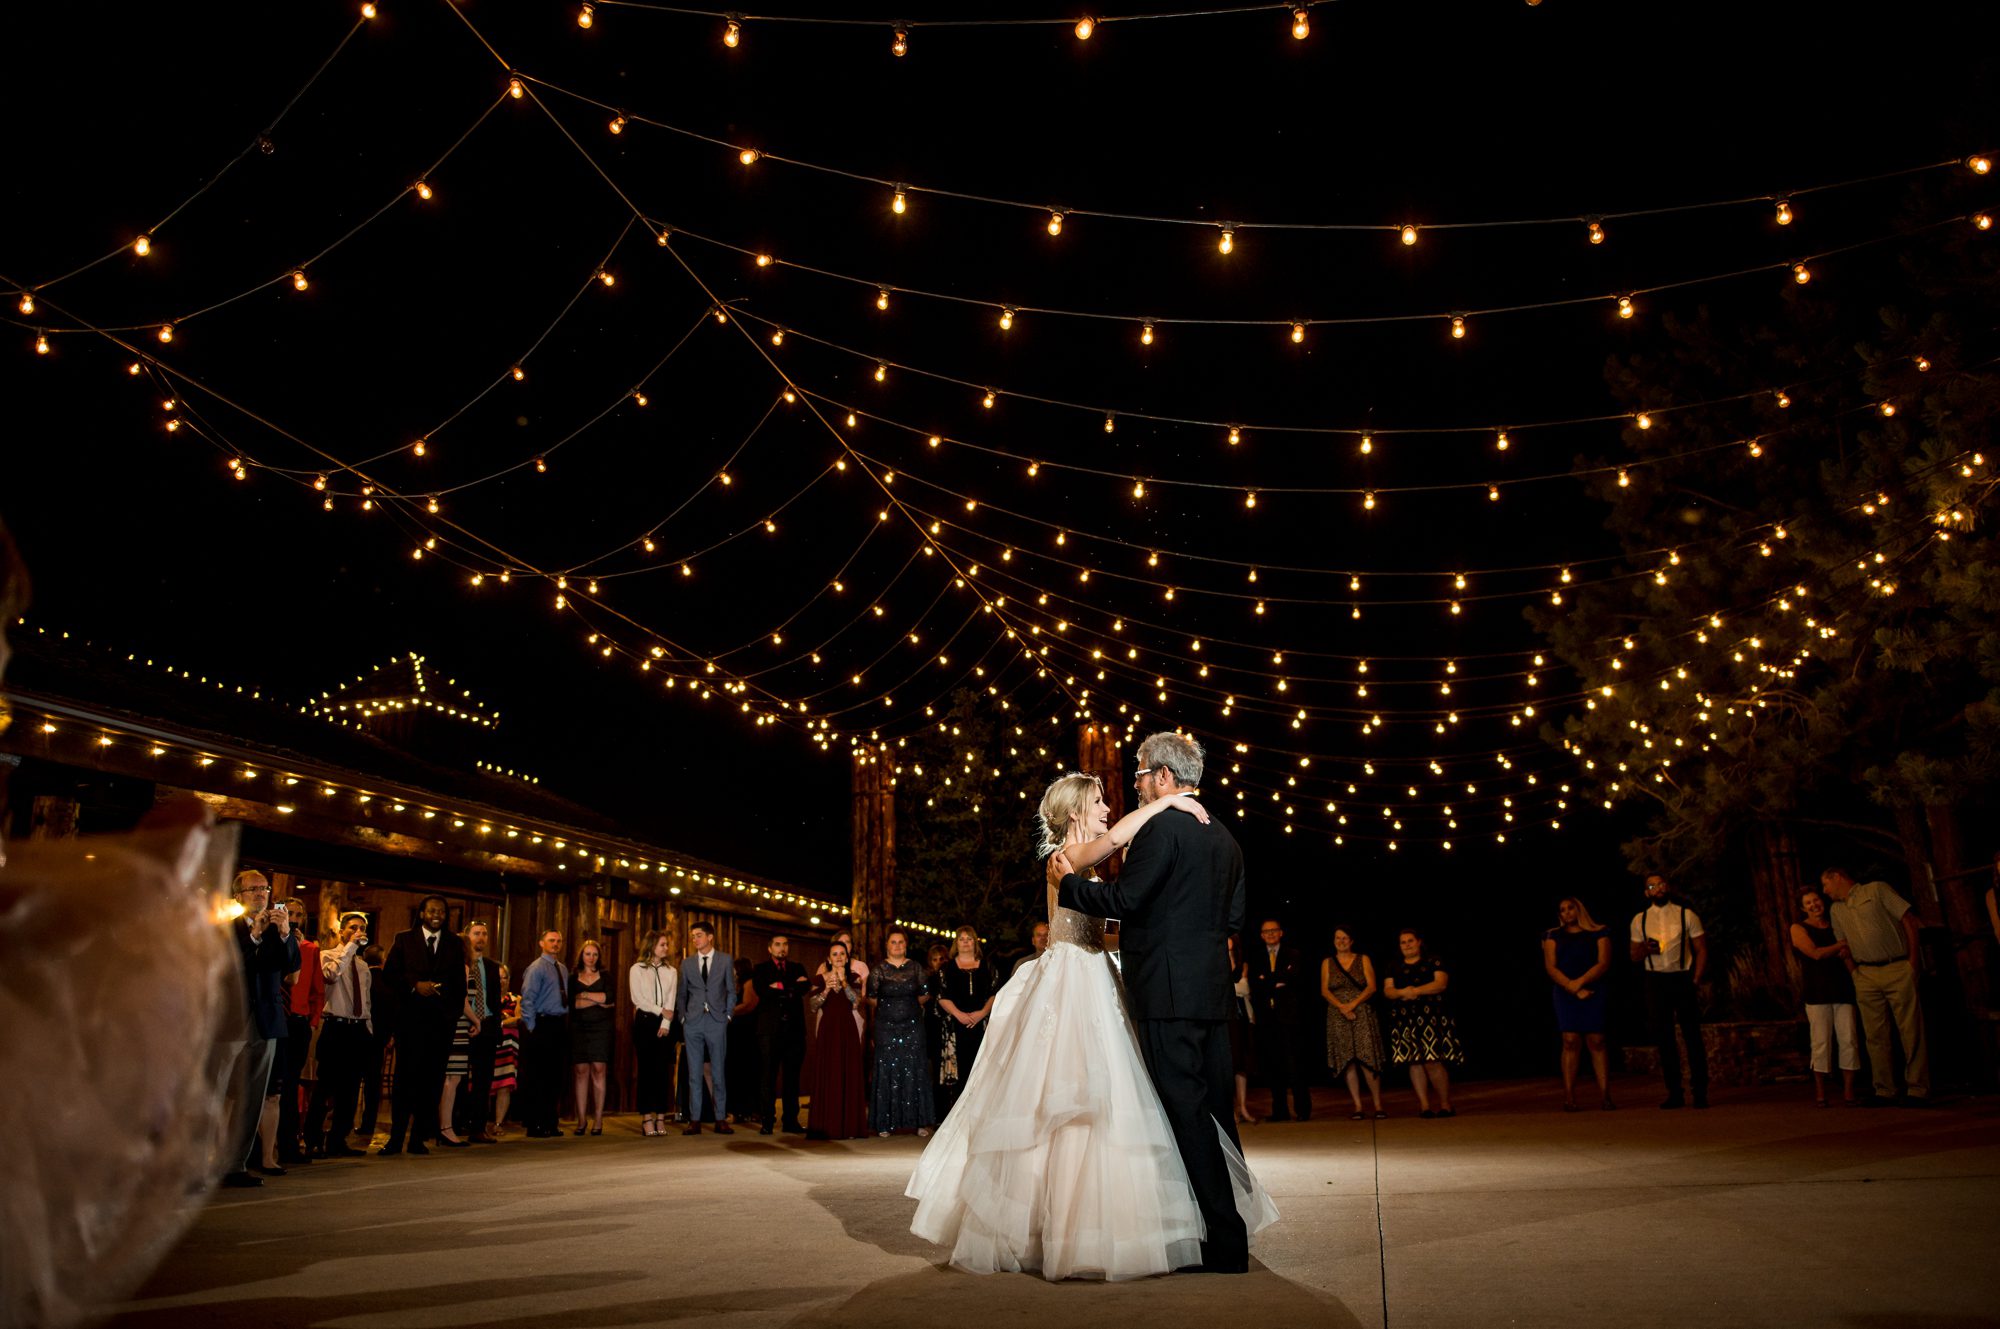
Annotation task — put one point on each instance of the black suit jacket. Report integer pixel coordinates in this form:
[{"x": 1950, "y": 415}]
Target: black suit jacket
[
  {"x": 409, "y": 963},
  {"x": 1178, "y": 899},
  {"x": 781, "y": 993},
  {"x": 1275, "y": 993}
]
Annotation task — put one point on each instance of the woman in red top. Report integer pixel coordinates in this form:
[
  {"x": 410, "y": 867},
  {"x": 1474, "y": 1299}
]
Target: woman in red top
[{"x": 834, "y": 1086}]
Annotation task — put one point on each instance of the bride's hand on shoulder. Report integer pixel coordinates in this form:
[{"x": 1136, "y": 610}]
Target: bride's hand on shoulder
[{"x": 1190, "y": 804}]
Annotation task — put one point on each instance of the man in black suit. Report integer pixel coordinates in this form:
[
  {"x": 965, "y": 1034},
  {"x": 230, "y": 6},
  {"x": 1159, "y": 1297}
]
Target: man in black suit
[
  {"x": 1276, "y": 982},
  {"x": 483, "y": 996},
  {"x": 781, "y": 985},
  {"x": 426, "y": 973},
  {"x": 1180, "y": 896}
]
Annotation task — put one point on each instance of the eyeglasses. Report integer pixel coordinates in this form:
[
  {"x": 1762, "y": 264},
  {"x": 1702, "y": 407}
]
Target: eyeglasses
[{"x": 1143, "y": 772}]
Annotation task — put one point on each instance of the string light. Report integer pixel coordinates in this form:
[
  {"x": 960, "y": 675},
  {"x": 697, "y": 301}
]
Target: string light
[
  {"x": 515, "y": 89},
  {"x": 1298, "y": 333},
  {"x": 1409, "y": 235},
  {"x": 1801, "y": 273},
  {"x": 584, "y": 16},
  {"x": 1500, "y": 444},
  {"x": 166, "y": 332},
  {"x": 41, "y": 344},
  {"x": 1979, "y": 165},
  {"x": 1006, "y": 320},
  {"x": 1227, "y": 244},
  {"x": 299, "y": 282},
  {"x": 368, "y": 10},
  {"x": 1784, "y": 212},
  {"x": 1367, "y": 444},
  {"x": 617, "y": 125},
  {"x": 143, "y": 246},
  {"x": 732, "y": 34},
  {"x": 1624, "y": 306},
  {"x": 1146, "y": 335},
  {"x": 1458, "y": 327},
  {"x": 1983, "y": 221},
  {"x": 1084, "y": 28},
  {"x": 748, "y": 156},
  {"x": 1235, "y": 436},
  {"x": 899, "y": 46},
  {"x": 27, "y": 305},
  {"x": 1056, "y": 218},
  {"x": 1301, "y": 29},
  {"x": 899, "y": 204},
  {"x": 1109, "y": 423},
  {"x": 1596, "y": 233},
  {"x": 606, "y": 276},
  {"x": 519, "y": 373},
  {"x": 424, "y": 190}
]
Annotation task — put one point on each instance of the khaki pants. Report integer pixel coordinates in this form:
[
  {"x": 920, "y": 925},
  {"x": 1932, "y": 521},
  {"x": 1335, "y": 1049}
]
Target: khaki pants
[{"x": 1886, "y": 993}]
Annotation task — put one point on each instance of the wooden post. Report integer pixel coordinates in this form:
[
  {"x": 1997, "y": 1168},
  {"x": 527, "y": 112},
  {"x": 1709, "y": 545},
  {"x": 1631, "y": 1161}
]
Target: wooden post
[
  {"x": 1097, "y": 754},
  {"x": 1776, "y": 881},
  {"x": 53, "y": 818},
  {"x": 874, "y": 849}
]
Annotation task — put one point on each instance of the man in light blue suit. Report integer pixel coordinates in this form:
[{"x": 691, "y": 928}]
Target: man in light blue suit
[{"x": 708, "y": 993}]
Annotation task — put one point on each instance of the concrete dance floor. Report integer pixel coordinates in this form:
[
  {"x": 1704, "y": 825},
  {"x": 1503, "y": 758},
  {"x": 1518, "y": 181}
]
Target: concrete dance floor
[{"x": 1760, "y": 1211}]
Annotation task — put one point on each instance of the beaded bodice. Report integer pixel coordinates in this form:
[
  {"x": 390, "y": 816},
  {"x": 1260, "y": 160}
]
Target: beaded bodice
[{"x": 1067, "y": 925}]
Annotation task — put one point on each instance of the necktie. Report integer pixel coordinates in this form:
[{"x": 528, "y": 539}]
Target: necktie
[
  {"x": 434, "y": 945},
  {"x": 354, "y": 963},
  {"x": 479, "y": 985},
  {"x": 1274, "y": 962},
  {"x": 562, "y": 983},
  {"x": 704, "y": 971}
]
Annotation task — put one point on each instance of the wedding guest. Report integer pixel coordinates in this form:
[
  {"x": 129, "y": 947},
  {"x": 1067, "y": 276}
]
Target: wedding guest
[
  {"x": 1038, "y": 942},
  {"x": 378, "y": 1052},
  {"x": 1670, "y": 944},
  {"x": 591, "y": 1027},
  {"x": 746, "y": 1080},
  {"x": 781, "y": 985},
  {"x": 653, "y": 984},
  {"x": 1829, "y": 997},
  {"x": 483, "y": 1000},
  {"x": 506, "y": 1053},
  {"x": 1880, "y": 930},
  {"x": 833, "y": 1080},
  {"x": 425, "y": 972},
  {"x": 457, "y": 1070},
  {"x": 859, "y": 968},
  {"x": 897, "y": 994},
  {"x": 346, "y": 1035},
  {"x": 266, "y": 952},
  {"x": 305, "y": 1001},
  {"x": 1422, "y": 1034},
  {"x": 1576, "y": 955},
  {"x": 708, "y": 994},
  {"x": 966, "y": 988},
  {"x": 545, "y": 1051},
  {"x": 1277, "y": 985},
  {"x": 1242, "y": 1024},
  {"x": 1353, "y": 1034}
]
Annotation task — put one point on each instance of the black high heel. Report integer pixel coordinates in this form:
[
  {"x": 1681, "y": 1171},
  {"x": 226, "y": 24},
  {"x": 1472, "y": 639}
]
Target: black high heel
[
  {"x": 594, "y": 1130},
  {"x": 579, "y": 1130}
]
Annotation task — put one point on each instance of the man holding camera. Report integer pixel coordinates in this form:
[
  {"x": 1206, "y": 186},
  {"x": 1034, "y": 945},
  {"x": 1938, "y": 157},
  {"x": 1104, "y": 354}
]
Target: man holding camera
[
  {"x": 268, "y": 951},
  {"x": 347, "y": 1030}
]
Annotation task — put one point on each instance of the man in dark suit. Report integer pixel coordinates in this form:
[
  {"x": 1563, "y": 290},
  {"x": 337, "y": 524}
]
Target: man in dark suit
[
  {"x": 267, "y": 951},
  {"x": 780, "y": 984},
  {"x": 1179, "y": 897},
  {"x": 1277, "y": 978},
  {"x": 707, "y": 997},
  {"x": 426, "y": 972},
  {"x": 483, "y": 996}
]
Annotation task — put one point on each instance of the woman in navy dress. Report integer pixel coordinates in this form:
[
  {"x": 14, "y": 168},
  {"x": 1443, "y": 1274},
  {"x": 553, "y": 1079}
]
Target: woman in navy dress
[
  {"x": 1576, "y": 953},
  {"x": 898, "y": 991}
]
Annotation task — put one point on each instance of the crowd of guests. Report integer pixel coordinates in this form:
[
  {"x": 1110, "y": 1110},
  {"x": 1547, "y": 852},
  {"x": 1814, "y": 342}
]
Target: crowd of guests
[{"x": 886, "y": 1048}]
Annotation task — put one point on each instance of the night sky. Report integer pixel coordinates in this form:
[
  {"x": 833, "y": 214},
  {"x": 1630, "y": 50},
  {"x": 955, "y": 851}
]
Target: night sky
[{"x": 1388, "y": 113}]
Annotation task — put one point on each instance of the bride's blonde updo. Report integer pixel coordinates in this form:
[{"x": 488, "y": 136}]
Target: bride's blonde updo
[{"x": 1065, "y": 800}]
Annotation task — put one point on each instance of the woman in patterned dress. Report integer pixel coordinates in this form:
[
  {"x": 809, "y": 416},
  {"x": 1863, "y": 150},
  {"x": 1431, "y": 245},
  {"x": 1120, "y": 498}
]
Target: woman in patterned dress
[
  {"x": 1353, "y": 1037},
  {"x": 507, "y": 1055},
  {"x": 1422, "y": 1035},
  {"x": 457, "y": 1070}
]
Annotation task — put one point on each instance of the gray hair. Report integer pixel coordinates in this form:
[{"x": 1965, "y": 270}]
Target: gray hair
[{"x": 1177, "y": 752}]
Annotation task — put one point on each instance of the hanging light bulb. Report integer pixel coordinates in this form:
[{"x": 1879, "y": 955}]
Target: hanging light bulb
[
  {"x": 368, "y": 10},
  {"x": 1138, "y": 491},
  {"x": 1923, "y": 365},
  {"x": 1006, "y": 320},
  {"x": 1888, "y": 409},
  {"x": 900, "y": 44},
  {"x": 585, "y": 16},
  {"x": 516, "y": 89},
  {"x": 1250, "y": 499},
  {"x": 764, "y": 260},
  {"x": 1227, "y": 244},
  {"x": 1055, "y": 222},
  {"x": 1624, "y": 306},
  {"x": 606, "y": 276},
  {"x": 319, "y": 483},
  {"x": 1502, "y": 443},
  {"x": 639, "y": 398},
  {"x": 748, "y": 156},
  {"x": 882, "y": 298},
  {"x": 1643, "y": 420},
  {"x": 1110, "y": 424},
  {"x": 143, "y": 246},
  {"x": 1493, "y": 493},
  {"x": 1983, "y": 220},
  {"x": 1801, "y": 273},
  {"x": 1084, "y": 27},
  {"x": 27, "y": 305},
  {"x": 1458, "y": 327},
  {"x": 1784, "y": 399},
  {"x": 1368, "y": 500},
  {"x": 1784, "y": 212},
  {"x": 1979, "y": 165},
  {"x": 1235, "y": 436},
  {"x": 541, "y": 465},
  {"x": 987, "y": 400},
  {"x": 1301, "y": 29},
  {"x": 1146, "y": 334},
  {"x": 899, "y": 204},
  {"x": 519, "y": 373},
  {"x": 617, "y": 125},
  {"x": 1597, "y": 233},
  {"x": 777, "y": 336},
  {"x": 166, "y": 332},
  {"x": 424, "y": 190},
  {"x": 299, "y": 282},
  {"x": 881, "y": 373},
  {"x": 732, "y": 34},
  {"x": 1624, "y": 480},
  {"x": 41, "y": 344},
  {"x": 417, "y": 447},
  {"x": 1367, "y": 444},
  {"x": 1409, "y": 235},
  {"x": 432, "y": 505},
  {"x": 1298, "y": 333}
]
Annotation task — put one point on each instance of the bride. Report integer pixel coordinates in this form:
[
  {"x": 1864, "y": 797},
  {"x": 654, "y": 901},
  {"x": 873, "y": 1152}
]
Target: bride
[{"x": 1058, "y": 1157}]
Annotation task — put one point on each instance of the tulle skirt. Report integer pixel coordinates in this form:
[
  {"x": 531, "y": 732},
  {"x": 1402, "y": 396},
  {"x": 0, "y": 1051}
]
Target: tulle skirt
[{"x": 1058, "y": 1157}]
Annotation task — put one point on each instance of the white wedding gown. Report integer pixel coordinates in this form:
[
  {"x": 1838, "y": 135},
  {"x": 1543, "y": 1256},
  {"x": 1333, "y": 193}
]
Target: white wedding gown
[{"x": 1058, "y": 1157}]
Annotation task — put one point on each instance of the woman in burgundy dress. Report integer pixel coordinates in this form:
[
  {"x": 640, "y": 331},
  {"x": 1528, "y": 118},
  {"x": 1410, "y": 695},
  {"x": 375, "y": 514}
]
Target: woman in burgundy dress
[{"x": 839, "y": 1109}]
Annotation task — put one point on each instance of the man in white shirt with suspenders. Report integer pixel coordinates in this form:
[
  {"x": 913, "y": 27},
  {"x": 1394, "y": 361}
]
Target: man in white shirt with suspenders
[{"x": 1669, "y": 944}]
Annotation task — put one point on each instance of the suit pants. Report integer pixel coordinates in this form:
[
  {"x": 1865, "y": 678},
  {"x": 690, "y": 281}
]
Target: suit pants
[
  {"x": 707, "y": 1040},
  {"x": 1282, "y": 1061},
  {"x": 474, "y": 1106},
  {"x": 421, "y": 1047},
  {"x": 371, "y": 1083},
  {"x": 1887, "y": 995},
  {"x": 344, "y": 1051},
  {"x": 297, "y": 1049},
  {"x": 1190, "y": 1065},
  {"x": 544, "y": 1058},
  {"x": 783, "y": 1049},
  {"x": 1671, "y": 1000},
  {"x": 259, "y": 1056}
]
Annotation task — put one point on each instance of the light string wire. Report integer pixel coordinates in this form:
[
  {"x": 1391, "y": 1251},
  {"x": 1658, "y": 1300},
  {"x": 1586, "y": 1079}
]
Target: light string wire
[
  {"x": 1212, "y": 225},
  {"x": 262, "y": 136}
]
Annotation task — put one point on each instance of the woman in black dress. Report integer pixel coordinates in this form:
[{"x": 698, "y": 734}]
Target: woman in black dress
[
  {"x": 1829, "y": 998},
  {"x": 898, "y": 991},
  {"x": 965, "y": 999},
  {"x": 1422, "y": 1035},
  {"x": 591, "y": 992}
]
